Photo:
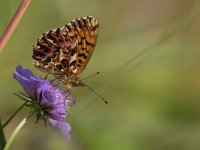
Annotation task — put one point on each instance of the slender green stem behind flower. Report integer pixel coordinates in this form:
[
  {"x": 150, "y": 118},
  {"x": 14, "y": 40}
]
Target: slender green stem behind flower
[
  {"x": 17, "y": 129},
  {"x": 8, "y": 121}
]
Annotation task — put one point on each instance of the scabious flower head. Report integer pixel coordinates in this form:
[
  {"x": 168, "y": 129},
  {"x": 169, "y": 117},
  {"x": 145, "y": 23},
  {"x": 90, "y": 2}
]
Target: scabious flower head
[{"x": 51, "y": 102}]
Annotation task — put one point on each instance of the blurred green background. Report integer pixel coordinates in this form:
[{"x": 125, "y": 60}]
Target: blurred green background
[{"x": 148, "y": 55}]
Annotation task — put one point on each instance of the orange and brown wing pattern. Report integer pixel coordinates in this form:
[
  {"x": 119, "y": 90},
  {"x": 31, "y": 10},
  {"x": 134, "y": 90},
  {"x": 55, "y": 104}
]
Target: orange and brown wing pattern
[
  {"x": 52, "y": 52},
  {"x": 64, "y": 52},
  {"x": 86, "y": 31}
]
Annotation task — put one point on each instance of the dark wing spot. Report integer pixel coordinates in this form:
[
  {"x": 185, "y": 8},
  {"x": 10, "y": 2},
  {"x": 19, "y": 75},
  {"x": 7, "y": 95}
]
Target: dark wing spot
[
  {"x": 59, "y": 67},
  {"x": 73, "y": 51},
  {"x": 49, "y": 44},
  {"x": 80, "y": 61},
  {"x": 47, "y": 60},
  {"x": 90, "y": 44},
  {"x": 80, "y": 43},
  {"x": 65, "y": 63},
  {"x": 46, "y": 50},
  {"x": 73, "y": 63},
  {"x": 83, "y": 48},
  {"x": 82, "y": 55}
]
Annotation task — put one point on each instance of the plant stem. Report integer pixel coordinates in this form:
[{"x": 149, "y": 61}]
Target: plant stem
[
  {"x": 17, "y": 129},
  {"x": 13, "y": 23},
  {"x": 5, "y": 124}
]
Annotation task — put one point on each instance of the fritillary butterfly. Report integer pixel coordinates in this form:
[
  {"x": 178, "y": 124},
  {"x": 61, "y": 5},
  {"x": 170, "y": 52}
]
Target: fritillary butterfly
[{"x": 65, "y": 52}]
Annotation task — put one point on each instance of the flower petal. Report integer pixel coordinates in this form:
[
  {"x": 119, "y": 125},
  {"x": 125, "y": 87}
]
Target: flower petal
[
  {"x": 24, "y": 77},
  {"x": 50, "y": 99},
  {"x": 63, "y": 127},
  {"x": 24, "y": 72}
]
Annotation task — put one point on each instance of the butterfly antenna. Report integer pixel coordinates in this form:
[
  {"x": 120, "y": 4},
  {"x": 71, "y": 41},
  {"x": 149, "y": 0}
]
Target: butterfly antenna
[
  {"x": 90, "y": 76},
  {"x": 96, "y": 93}
]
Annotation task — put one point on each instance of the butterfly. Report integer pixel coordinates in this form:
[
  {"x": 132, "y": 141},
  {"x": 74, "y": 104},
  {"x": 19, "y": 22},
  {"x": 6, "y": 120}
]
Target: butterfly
[{"x": 65, "y": 52}]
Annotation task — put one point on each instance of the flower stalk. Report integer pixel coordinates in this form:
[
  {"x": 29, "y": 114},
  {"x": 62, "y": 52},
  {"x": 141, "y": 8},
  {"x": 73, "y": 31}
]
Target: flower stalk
[
  {"x": 17, "y": 129},
  {"x": 8, "y": 121}
]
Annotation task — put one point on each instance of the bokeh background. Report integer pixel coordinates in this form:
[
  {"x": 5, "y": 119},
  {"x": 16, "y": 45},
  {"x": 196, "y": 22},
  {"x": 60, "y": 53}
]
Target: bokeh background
[{"x": 148, "y": 55}]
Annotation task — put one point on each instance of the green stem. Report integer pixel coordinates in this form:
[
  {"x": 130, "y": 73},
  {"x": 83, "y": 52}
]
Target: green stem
[
  {"x": 17, "y": 129},
  {"x": 6, "y": 123}
]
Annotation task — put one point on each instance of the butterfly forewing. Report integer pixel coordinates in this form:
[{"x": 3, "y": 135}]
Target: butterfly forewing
[
  {"x": 86, "y": 31},
  {"x": 65, "y": 52}
]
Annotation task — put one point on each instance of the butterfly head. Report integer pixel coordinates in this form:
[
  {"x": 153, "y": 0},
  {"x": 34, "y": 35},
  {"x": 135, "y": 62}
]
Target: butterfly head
[{"x": 73, "y": 82}]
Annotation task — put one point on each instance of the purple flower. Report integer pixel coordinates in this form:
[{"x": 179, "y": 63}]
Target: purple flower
[{"x": 50, "y": 101}]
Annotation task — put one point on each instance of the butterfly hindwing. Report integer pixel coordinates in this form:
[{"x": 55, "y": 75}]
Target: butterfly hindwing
[{"x": 65, "y": 52}]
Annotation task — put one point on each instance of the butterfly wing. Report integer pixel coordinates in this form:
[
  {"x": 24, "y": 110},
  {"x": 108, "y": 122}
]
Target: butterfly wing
[
  {"x": 86, "y": 31},
  {"x": 51, "y": 53},
  {"x": 65, "y": 52}
]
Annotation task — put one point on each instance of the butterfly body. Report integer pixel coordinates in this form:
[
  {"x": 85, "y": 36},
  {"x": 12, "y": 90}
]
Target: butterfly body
[{"x": 65, "y": 52}]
